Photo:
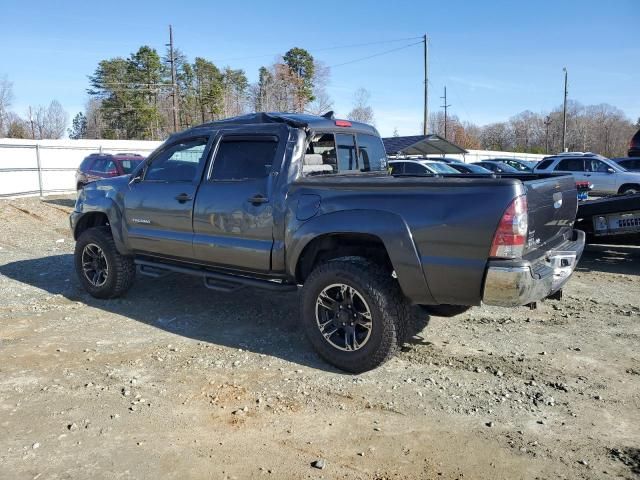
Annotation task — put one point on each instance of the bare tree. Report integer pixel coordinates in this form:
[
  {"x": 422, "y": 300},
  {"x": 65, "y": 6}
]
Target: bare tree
[
  {"x": 322, "y": 102},
  {"x": 16, "y": 127},
  {"x": 47, "y": 122},
  {"x": 6, "y": 97},
  {"x": 362, "y": 111}
]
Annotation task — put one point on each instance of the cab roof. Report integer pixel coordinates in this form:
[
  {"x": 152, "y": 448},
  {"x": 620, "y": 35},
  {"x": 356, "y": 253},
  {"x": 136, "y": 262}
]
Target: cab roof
[{"x": 294, "y": 120}]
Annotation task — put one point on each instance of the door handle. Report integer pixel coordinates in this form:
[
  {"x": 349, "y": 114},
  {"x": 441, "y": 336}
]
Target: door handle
[
  {"x": 183, "y": 197},
  {"x": 258, "y": 199}
]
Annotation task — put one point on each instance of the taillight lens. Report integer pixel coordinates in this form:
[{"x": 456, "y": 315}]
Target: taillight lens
[{"x": 511, "y": 235}]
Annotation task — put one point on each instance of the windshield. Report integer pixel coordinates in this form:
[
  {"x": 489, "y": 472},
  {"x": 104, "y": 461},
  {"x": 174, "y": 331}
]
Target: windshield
[
  {"x": 476, "y": 168},
  {"x": 438, "y": 167}
]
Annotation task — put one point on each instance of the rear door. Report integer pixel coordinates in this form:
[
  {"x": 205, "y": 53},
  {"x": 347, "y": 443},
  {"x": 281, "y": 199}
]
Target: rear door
[
  {"x": 158, "y": 209},
  {"x": 234, "y": 210},
  {"x": 574, "y": 166}
]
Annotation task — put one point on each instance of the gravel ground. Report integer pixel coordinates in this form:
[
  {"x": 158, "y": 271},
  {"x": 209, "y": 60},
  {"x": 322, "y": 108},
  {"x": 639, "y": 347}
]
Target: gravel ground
[{"x": 177, "y": 381}]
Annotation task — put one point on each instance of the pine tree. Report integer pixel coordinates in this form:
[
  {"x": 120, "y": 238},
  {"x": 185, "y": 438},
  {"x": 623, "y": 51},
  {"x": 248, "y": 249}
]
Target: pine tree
[{"x": 78, "y": 128}]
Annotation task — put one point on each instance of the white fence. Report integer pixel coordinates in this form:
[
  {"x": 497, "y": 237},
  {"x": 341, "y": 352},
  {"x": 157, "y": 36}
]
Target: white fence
[{"x": 40, "y": 167}]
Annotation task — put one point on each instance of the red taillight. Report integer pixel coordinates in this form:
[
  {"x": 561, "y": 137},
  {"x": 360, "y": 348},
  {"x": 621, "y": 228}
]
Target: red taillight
[
  {"x": 511, "y": 235},
  {"x": 343, "y": 123}
]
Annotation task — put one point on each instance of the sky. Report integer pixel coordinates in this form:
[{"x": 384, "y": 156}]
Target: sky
[{"x": 496, "y": 58}]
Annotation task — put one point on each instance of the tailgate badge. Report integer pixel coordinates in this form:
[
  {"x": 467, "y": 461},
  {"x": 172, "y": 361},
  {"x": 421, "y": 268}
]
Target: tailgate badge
[{"x": 557, "y": 200}]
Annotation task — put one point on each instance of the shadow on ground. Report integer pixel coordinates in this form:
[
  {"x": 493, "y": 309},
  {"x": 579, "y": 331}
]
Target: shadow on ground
[
  {"x": 252, "y": 319},
  {"x": 624, "y": 259},
  {"x": 62, "y": 202}
]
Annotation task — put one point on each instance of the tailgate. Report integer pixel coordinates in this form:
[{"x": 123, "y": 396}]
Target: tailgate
[{"x": 552, "y": 204}]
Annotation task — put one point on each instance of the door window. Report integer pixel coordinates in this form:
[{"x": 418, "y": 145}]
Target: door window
[
  {"x": 104, "y": 165},
  {"x": 371, "y": 153},
  {"x": 347, "y": 160},
  {"x": 414, "y": 169},
  {"x": 396, "y": 168},
  {"x": 244, "y": 159},
  {"x": 178, "y": 162},
  {"x": 570, "y": 165},
  {"x": 597, "y": 166}
]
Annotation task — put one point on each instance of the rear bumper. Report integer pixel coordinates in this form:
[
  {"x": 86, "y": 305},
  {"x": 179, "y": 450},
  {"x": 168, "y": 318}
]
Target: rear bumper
[{"x": 509, "y": 284}]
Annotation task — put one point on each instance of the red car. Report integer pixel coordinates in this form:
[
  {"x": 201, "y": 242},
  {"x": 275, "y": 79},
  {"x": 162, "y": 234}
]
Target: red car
[{"x": 105, "y": 165}]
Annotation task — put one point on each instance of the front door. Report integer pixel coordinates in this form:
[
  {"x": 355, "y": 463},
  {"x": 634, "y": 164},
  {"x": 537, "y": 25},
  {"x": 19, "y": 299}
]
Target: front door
[
  {"x": 233, "y": 213},
  {"x": 159, "y": 208},
  {"x": 597, "y": 172}
]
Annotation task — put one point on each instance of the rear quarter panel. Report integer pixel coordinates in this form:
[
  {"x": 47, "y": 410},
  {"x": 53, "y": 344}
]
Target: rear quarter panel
[{"x": 451, "y": 223}]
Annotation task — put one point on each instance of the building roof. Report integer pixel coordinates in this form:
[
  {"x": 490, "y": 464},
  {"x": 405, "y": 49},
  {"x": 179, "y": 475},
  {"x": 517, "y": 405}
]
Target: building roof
[{"x": 421, "y": 145}]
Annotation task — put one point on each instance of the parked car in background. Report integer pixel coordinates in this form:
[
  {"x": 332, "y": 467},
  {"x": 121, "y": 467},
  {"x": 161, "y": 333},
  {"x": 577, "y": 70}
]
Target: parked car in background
[
  {"x": 106, "y": 165},
  {"x": 606, "y": 175},
  {"x": 628, "y": 163},
  {"x": 497, "y": 166},
  {"x": 634, "y": 145},
  {"x": 517, "y": 163},
  {"x": 469, "y": 168},
  {"x": 419, "y": 167}
]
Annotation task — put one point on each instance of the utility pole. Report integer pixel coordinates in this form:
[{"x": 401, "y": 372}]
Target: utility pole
[
  {"x": 445, "y": 106},
  {"x": 547, "y": 122},
  {"x": 564, "y": 112},
  {"x": 174, "y": 86},
  {"x": 425, "y": 128}
]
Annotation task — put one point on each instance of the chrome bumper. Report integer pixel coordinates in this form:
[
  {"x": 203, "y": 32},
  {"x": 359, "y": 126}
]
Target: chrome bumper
[{"x": 528, "y": 282}]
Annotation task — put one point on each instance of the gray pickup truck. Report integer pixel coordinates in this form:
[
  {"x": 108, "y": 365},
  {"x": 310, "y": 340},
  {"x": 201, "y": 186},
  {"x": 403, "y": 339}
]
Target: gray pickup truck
[{"x": 282, "y": 201}]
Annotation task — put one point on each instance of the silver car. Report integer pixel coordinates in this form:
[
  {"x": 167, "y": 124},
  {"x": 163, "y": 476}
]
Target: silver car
[{"x": 606, "y": 175}]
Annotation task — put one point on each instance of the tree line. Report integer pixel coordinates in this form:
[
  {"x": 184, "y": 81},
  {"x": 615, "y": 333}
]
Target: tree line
[
  {"x": 39, "y": 122},
  {"x": 133, "y": 98},
  {"x": 601, "y": 128}
]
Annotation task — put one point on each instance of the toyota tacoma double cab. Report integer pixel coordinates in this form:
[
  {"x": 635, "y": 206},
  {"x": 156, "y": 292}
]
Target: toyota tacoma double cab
[{"x": 291, "y": 201}]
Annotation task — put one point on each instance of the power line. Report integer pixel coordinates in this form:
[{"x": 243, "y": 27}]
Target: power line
[
  {"x": 313, "y": 50},
  {"x": 375, "y": 55}
]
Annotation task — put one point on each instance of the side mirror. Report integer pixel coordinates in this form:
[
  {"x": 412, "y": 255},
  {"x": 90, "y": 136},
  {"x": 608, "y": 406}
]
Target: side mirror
[
  {"x": 610, "y": 170},
  {"x": 112, "y": 173},
  {"x": 135, "y": 178}
]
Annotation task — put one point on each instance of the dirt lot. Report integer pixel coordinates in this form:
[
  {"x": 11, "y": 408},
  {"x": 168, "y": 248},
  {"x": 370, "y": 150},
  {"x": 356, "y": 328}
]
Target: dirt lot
[{"x": 176, "y": 381}]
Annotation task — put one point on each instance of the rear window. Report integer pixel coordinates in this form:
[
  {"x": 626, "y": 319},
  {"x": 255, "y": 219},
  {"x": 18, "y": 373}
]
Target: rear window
[
  {"x": 371, "y": 153},
  {"x": 329, "y": 153},
  {"x": 441, "y": 168},
  {"x": 544, "y": 164},
  {"x": 86, "y": 163}
]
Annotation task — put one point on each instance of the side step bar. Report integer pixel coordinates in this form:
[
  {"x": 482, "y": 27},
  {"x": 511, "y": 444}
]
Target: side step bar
[{"x": 222, "y": 282}]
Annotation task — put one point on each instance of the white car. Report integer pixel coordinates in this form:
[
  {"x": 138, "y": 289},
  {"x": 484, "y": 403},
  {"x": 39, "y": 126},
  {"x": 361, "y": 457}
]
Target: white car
[
  {"x": 419, "y": 167},
  {"x": 606, "y": 175}
]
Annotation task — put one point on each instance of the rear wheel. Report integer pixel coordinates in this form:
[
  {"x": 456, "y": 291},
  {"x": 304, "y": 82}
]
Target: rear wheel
[
  {"x": 629, "y": 189},
  {"x": 354, "y": 313},
  {"x": 103, "y": 272}
]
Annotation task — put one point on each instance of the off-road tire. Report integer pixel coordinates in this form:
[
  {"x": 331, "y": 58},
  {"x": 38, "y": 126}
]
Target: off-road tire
[
  {"x": 390, "y": 312},
  {"x": 122, "y": 270}
]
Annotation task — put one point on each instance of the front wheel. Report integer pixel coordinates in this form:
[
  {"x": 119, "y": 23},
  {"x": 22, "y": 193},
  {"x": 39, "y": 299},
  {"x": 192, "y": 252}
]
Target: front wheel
[
  {"x": 354, "y": 313},
  {"x": 103, "y": 272}
]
